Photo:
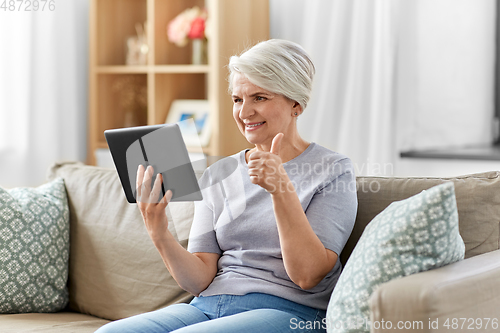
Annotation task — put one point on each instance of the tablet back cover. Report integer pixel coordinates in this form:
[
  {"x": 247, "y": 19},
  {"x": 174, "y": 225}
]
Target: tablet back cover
[{"x": 160, "y": 146}]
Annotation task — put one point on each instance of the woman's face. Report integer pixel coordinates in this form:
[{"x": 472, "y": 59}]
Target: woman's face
[{"x": 260, "y": 114}]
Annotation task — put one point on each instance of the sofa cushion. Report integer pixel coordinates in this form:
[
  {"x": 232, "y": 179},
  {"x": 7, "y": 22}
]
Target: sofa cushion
[
  {"x": 34, "y": 248},
  {"x": 409, "y": 236},
  {"x": 115, "y": 271},
  {"x": 478, "y": 202},
  {"x": 61, "y": 322}
]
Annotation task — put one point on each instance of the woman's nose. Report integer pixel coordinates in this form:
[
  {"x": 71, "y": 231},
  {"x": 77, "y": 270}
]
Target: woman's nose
[{"x": 246, "y": 111}]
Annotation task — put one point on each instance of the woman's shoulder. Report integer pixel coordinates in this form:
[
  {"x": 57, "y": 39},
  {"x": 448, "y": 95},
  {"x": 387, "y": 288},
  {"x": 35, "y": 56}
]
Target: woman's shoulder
[
  {"x": 221, "y": 168},
  {"x": 326, "y": 156}
]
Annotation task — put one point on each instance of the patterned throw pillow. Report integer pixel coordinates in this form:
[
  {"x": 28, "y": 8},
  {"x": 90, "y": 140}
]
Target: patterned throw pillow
[
  {"x": 34, "y": 248},
  {"x": 410, "y": 236}
]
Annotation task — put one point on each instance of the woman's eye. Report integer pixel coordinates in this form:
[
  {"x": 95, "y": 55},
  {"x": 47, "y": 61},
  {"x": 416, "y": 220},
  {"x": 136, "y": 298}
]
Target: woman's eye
[
  {"x": 237, "y": 100},
  {"x": 260, "y": 98}
]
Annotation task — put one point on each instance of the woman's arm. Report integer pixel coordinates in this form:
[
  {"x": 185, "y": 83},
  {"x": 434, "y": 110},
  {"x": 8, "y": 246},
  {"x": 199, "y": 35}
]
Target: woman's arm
[
  {"x": 193, "y": 272},
  {"x": 306, "y": 259}
]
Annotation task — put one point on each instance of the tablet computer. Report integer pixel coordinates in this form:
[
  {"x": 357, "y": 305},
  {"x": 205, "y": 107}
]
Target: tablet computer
[{"x": 160, "y": 146}]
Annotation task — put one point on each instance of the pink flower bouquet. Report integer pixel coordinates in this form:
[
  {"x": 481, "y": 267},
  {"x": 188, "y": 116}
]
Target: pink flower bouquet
[{"x": 190, "y": 24}]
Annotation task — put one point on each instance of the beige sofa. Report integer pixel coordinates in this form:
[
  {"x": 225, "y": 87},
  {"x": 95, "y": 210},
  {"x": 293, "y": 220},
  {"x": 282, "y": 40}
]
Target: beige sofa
[{"x": 116, "y": 272}]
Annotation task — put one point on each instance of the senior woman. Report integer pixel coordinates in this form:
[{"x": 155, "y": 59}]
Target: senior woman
[{"x": 265, "y": 241}]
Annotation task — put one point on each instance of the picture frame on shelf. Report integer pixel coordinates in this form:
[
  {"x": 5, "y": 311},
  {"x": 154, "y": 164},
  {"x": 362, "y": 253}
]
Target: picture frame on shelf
[{"x": 193, "y": 118}]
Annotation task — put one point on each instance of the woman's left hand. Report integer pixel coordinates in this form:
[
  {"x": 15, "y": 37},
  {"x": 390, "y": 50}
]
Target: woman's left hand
[{"x": 266, "y": 169}]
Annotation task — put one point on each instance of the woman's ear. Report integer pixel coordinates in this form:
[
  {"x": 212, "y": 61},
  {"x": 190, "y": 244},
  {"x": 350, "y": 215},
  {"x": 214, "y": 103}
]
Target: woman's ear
[{"x": 297, "y": 109}]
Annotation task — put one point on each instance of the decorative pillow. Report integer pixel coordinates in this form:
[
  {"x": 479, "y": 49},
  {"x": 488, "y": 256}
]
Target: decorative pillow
[
  {"x": 409, "y": 236},
  {"x": 34, "y": 248}
]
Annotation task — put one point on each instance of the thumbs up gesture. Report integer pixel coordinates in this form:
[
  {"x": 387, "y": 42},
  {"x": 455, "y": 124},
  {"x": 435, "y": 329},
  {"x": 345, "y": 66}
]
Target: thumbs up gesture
[
  {"x": 276, "y": 144},
  {"x": 266, "y": 168}
]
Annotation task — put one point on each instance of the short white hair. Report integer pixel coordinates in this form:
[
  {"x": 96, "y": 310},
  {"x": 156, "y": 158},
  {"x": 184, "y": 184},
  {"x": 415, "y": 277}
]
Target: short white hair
[{"x": 276, "y": 65}]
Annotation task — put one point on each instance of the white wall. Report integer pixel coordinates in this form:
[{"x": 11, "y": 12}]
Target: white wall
[
  {"x": 43, "y": 90},
  {"x": 444, "y": 78},
  {"x": 442, "y": 168},
  {"x": 445, "y": 94}
]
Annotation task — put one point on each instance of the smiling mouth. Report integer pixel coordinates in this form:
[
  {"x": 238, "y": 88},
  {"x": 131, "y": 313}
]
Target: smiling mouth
[{"x": 255, "y": 125}]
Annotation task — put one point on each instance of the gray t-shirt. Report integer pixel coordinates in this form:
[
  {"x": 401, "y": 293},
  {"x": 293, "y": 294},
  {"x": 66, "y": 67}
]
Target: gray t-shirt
[{"x": 236, "y": 219}]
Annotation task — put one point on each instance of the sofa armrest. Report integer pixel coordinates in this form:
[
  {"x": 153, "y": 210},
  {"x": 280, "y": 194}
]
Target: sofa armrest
[{"x": 467, "y": 289}]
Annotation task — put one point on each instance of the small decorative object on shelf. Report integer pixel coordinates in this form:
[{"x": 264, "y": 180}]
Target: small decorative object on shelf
[
  {"x": 133, "y": 99},
  {"x": 192, "y": 115},
  {"x": 190, "y": 25},
  {"x": 137, "y": 47}
]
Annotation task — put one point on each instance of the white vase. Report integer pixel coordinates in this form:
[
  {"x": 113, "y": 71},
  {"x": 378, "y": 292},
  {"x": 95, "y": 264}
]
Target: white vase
[{"x": 199, "y": 52}]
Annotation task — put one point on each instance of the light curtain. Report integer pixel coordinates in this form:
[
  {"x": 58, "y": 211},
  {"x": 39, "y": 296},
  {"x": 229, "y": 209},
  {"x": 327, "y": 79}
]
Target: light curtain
[
  {"x": 446, "y": 73},
  {"x": 353, "y": 46},
  {"x": 43, "y": 90}
]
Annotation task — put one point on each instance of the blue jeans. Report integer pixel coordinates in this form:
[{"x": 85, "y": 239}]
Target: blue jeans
[{"x": 250, "y": 313}]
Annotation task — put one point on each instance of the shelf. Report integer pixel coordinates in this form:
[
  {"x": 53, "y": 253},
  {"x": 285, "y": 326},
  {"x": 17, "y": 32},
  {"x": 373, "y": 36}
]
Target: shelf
[
  {"x": 122, "y": 69},
  {"x": 115, "y": 21},
  {"x": 172, "y": 86},
  {"x": 160, "y": 69},
  {"x": 479, "y": 152},
  {"x": 187, "y": 69},
  {"x": 123, "y": 101},
  {"x": 123, "y": 95},
  {"x": 165, "y": 52}
]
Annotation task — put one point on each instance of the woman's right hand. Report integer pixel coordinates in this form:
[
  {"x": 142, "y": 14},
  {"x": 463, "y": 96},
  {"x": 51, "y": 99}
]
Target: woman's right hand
[
  {"x": 153, "y": 212},
  {"x": 192, "y": 271}
]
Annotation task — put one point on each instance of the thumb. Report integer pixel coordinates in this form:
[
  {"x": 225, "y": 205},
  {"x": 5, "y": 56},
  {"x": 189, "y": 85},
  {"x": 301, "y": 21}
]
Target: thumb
[{"x": 276, "y": 144}]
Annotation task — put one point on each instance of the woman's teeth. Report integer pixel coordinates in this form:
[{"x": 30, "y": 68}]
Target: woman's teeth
[{"x": 254, "y": 125}]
